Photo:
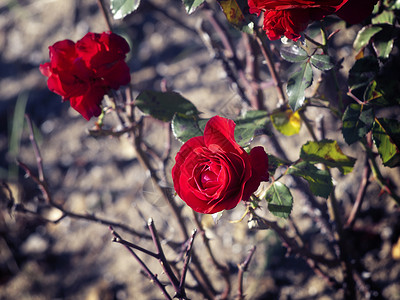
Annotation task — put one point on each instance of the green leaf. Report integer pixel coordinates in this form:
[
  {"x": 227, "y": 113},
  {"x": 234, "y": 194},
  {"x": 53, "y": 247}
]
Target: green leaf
[
  {"x": 329, "y": 153},
  {"x": 185, "y": 127},
  {"x": 297, "y": 84},
  {"x": 286, "y": 122},
  {"x": 164, "y": 105},
  {"x": 320, "y": 181},
  {"x": 385, "y": 17},
  {"x": 364, "y": 35},
  {"x": 191, "y": 5},
  {"x": 394, "y": 4},
  {"x": 361, "y": 74},
  {"x": 322, "y": 62},
  {"x": 383, "y": 48},
  {"x": 294, "y": 54},
  {"x": 280, "y": 200},
  {"x": 252, "y": 124},
  {"x": 373, "y": 96},
  {"x": 386, "y": 136},
  {"x": 357, "y": 122},
  {"x": 121, "y": 8},
  {"x": 383, "y": 41}
]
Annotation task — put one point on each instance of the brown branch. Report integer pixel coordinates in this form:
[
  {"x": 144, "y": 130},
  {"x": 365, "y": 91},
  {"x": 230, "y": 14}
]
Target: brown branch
[
  {"x": 186, "y": 264},
  {"x": 152, "y": 277},
  {"x": 103, "y": 9},
  {"x": 294, "y": 247},
  {"x": 223, "y": 269},
  {"x": 361, "y": 193},
  {"x": 166, "y": 192},
  {"x": 66, "y": 213},
  {"x": 163, "y": 260},
  {"x": 266, "y": 52},
  {"x": 134, "y": 246},
  {"x": 230, "y": 61},
  {"x": 252, "y": 73},
  {"x": 101, "y": 132},
  {"x": 242, "y": 269},
  {"x": 336, "y": 218}
]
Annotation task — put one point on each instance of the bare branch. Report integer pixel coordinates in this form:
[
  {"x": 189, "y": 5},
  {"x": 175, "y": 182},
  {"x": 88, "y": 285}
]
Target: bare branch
[
  {"x": 153, "y": 277},
  {"x": 242, "y": 269}
]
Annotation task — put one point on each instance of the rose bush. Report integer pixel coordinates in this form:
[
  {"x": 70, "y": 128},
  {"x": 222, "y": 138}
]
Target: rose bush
[
  {"x": 213, "y": 173},
  {"x": 85, "y": 71},
  {"x": 291, "y": 17}
]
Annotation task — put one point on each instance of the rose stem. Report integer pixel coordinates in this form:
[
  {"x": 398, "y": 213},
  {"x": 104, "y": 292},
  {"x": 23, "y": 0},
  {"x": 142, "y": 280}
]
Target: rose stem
[
  {"x": 336, "y": 218},
  {"x": 223, "y": 269},
  {"x": 103, "y": 9},
  {"x": 242, "y": 269},
  {"x": 161, "y": 256},
  {"x": 167, "y": 195},
  {"x": 266, "y": 52},
  {"x": 153, "y": 277},
  {"x": 186, "y": 263}
]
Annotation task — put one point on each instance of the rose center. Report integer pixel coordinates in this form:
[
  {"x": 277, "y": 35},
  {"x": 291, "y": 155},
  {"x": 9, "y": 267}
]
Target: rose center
[{"x": 207, "y": 176}]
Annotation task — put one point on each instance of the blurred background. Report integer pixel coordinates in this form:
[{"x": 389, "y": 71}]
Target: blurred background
[{"x": 75, "y": 259}]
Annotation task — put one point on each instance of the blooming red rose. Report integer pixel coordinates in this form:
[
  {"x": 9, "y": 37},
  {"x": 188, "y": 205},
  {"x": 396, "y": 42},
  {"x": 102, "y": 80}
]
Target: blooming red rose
[
  {"x": 84, "y": 72},
  {"x": 291, "y": 17},
  {"x": 213, "y": 173}
]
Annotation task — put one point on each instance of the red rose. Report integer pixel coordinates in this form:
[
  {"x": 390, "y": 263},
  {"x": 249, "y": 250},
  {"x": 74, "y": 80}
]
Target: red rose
[
  {"x": 84, "y": 72},
  {"x": 285, "y": 22},
  {"x": 291, "y": 17},
  {"x": 213, "y": 173}
]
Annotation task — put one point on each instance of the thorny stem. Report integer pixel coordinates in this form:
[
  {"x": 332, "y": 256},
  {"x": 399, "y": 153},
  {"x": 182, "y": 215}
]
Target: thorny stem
[
  {"x": 266, "y": 52},
  {"x": 152, "y": 277},
  {"x": 223, "y": 269},
  {"x": 336, "y": 217},
  {"x": 349, "y": 284},
  {"x": 361, "y": 193},
  {"x": 186, "y": 263},
  {"x": 252, "y": 72},
  {"x": 231, "y": 63},
  {"x": 43, "y": 186},
  {"x": 167, "y": 195},
  {"x": 110, "y": 132},
  {"x": 307, "y": 123},
  {"x": 103, "y": 9},
  {"x": 319, "y": 45},
  {"x": 275, "y": 144},
  {"x": 242, "y": 269},
  {"x": 131, "y": 245},
  {"x": 293, "y": 245},
  {"x": 162, "y": 259},
  {"x": 70, "y": 214},
  {"x": 178, "y": 285}
]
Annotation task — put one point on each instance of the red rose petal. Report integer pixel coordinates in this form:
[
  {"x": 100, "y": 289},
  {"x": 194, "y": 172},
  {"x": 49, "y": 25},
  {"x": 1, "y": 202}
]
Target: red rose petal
[{"x": 221, "y": 132}]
